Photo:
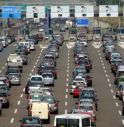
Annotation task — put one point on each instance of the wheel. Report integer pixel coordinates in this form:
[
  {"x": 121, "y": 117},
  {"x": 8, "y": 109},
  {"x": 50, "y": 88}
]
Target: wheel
[{"x": 48, "y": 121}]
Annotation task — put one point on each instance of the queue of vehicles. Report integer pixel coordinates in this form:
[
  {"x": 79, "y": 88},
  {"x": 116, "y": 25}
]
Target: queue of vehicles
[{"x": 14, "y": 68}]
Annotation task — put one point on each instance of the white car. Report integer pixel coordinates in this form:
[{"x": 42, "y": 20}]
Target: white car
[{"x": 48, "y": 79}]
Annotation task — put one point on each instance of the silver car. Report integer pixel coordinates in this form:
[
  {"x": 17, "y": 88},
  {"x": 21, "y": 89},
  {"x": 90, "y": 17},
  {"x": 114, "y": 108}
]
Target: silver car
[
  {"x": 15, "y": 79},
  {"x": 48, "y": 78}
]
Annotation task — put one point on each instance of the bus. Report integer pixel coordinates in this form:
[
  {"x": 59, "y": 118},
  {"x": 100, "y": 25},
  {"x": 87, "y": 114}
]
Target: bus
[{"x": 73, "y": 120}]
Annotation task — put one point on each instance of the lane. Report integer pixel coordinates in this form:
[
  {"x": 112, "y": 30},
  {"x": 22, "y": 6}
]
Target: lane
[
  {"x": 16, "y": 91},
  {"x": 107, "y": 110}
]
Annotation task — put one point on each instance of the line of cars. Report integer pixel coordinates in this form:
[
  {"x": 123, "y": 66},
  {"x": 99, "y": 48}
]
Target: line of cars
[
  {"x": 41, "y": 101},
  {"x": 6, "y": 40},
  {"x": 12, "y": 76},
  {"x": 117, "y": 65},
  {"x": 81, "y": 85}
]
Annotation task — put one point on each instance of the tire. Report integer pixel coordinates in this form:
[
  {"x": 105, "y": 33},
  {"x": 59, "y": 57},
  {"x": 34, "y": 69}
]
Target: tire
[{"x": 48, "y": 121}]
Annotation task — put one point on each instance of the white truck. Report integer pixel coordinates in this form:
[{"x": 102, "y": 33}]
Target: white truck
[{"x": 14, "y": 60}]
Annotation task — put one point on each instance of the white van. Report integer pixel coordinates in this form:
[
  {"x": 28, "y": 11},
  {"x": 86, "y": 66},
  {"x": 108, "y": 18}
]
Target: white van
[
  {"x": 73, "y": 120},
  {"x": 41, "y": 110},
  {"x": 25, "y": 43}
]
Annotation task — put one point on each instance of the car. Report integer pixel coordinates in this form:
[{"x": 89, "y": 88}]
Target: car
[
  {"x": 48, "y": 78},
  {"x": 53, "y": 103},
  {"x": 4, "y": 97},
  {"x": 29, "y": 121},
  {"x": 15, "y": 78},
  {"x": 6, "y": 80},
  {"x": 1, "y": 46},
  {"x": 24, "y": 59},
  {"x": 120, "y": 91},
  {"x": 0, "y": 108},
  {"x": 21, "y": 49}
]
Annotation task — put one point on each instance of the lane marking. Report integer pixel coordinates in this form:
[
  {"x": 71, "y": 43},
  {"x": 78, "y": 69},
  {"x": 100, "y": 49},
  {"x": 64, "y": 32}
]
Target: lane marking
[
  {"x": 108, "y": 80},
  {"x": 3, "y": 68},
  {"x": 15, "y": 111},
  {"x": 32, "y": 70},
  {"x": 114, "y": 97},
  {"x": 68, "y": 71},
  {"x": 103, "y": 67},
  {"x": 101, "y": 61},
  {"x": 105, "y": 71},
  {"x": 119, "y": 112},
  {"x": 67, "y": 64},
  {"x": 123, "y": 122},
  {"x": 37, "y": 60},
  {"x": 106, "y": 75},
  {"x": 66, "y": 96},
  {"x": 100, "y": 57},
  {"x": 66, "y": 103},
  {"x": 116, "y": 104},
  {"x": 5, "y": 64},
  {"x": 67, "y": 84},
  {"x": 23, "y": 89},
  {"x": 67, "y": 79},
  {"x": 67, "y": 67},
  {"x": 111, "y": 90},
  {"x": 34, "y": 67},
  {"x": 68, "y": 60},
  {"x": 66, "y": 90},
  {"x": 36, "y": 63},
  {"x": 67, "y": 75},
  {"x": 12, "y": 120},
  {"x": 18, "y": 102},
  {"x": 0, "y": 71},
  {"x": 110, "y": 85},
  {"x": 66, "y": 111},
  {"x": 21, "y": 95},
  {"x": 103, "y": 64},
  {"x": 68, "y": 57}
]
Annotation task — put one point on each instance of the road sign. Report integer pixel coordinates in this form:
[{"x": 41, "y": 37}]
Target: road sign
[
  {"x": 35, "y": 12},
  {"x": 82, "y": 22},
  {"x": 84, "y": 11},
  {"x": 60, "y": 12},
  {"x": 11, "y": 12},
  {"x": 108, "y": 11}
]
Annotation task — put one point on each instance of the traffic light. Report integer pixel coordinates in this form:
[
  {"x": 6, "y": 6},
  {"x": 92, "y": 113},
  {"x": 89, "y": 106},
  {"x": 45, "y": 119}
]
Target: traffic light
[{"x": 35, "y": 15}]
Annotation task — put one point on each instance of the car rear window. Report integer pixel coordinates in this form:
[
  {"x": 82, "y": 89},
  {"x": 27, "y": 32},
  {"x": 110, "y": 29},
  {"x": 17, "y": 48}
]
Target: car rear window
[
  {"x": 31, "y": 121},
  {"x": 47, "y": 76},
  {"x": 36, "y": 79}
]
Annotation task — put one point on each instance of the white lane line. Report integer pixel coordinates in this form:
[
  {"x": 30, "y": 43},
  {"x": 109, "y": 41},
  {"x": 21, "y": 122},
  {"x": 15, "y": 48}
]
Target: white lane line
[
  {"x": 119, "y": 112},
  {"x": 111, "y": 90},
  {"x": 12, "y": 120},
  {"x": 114, "y": 97},
  {"x": 0, "y": 71},
  {"x": 106, "y": 75},
  {"x": 116, "y": 104},
  {"x": 66, "y": 90},
  {"x": 36, "y": 63},
  {"x": 3, "y": 68},
  {"x": 32, "y": 70},
  {"x": 18, "y": 102},
  {"x": 108, "y": 80},
  {"x": 37, "y": 60},
  {"x": 21, "y": 95},
  {"x": 100, "y": 57},
  {"x": 65, "y": 111},
  {"x": 67, "y": 64},
  {"x": 67, "y": 67},
  {"x": 67, "y": 84},
  {"x": 68, "y": 71},
  {"x": 30, "y": 74},
  {"x": 15, "y": 111},
  {"x": 67, "y": 75},
  {"x": 68, "y": 57},
  {"x": 68, "y": 54},
  {"x": 66, "y": 96},
  {"x": 123, "y": 122},
  {"x": 39, "y": 57},
  {"x": 5, "y": 64},
  {"x": 66, "y": 103},
  {"x": 68, "y": 60},
  {"x": 110, "y": 85},
  {"x": 99, "y": 54},
  {"x": 103, "y": 64},
  {"x": 67, "y": 79},
  {"x": 103, "y": 67},
  {"x": 23, "y": 89},
  {"x": 68, "y": 50},
  {"x": 105, "y": 71},
  {"x": 101, "y": 61},
  {"x": 34, "y": 67}
]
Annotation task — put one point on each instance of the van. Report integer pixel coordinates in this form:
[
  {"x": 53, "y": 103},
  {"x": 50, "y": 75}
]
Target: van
[
  {"x": 41, "y": 110},
  {"x": 73, "y": 120}
]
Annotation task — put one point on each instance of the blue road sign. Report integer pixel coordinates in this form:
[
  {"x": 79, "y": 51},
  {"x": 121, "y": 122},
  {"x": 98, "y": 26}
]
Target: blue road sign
[
  {"x": 11, "y": 12},
  {"x": 82, "y": 22}
]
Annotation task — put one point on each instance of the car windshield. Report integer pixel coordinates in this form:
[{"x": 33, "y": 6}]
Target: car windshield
[
  {"x": 50, "y": 100},
  {"x": 47, "y": 75},
  {"x": 86, "y": 107},
  {"x": 88, "y": 94},
  {"x": 36, "y": 96},
  {"x": 122, "y": 79},
  {"x": 36, "y": 79},
  {"x": 3, "y": 94},
  {"x": 31, "y": 121}
]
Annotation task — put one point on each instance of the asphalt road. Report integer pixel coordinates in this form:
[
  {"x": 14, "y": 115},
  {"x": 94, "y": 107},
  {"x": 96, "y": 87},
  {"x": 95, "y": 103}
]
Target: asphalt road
[{"x": 109, "y": 107}]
